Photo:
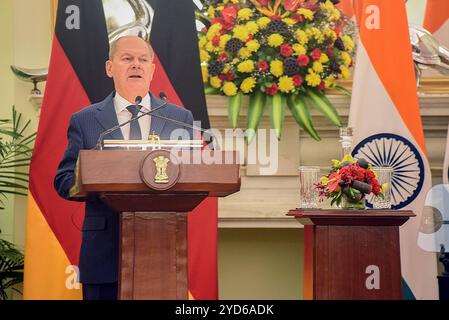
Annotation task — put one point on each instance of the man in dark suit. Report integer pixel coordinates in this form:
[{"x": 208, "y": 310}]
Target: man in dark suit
[{"x": 131, "y": 67}]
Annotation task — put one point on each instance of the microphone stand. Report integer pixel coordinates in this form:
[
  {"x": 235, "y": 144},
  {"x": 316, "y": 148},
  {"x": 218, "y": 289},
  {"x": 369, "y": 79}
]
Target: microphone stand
[{"x": 100, "y": 141}]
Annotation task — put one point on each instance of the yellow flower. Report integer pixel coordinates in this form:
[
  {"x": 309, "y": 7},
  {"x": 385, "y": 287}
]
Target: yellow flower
[
  {"x": 202, "y": 42},
  {"x": 229, "y": 89},
  {"x": 317, "y": 67},
  {"x": 324, "y": 58},
  {"x": 346, "y": 58},
  {"x": 245, "y": 14},
  {"x": 345, "y": 72},
  {"x": 248, "y": 85},
  {"x": 226, "y": 68},
  {"x": 329, "y": 82},
  {"x": 299, "y": 49},
  {"x": 327, "y": 5},
  {"x": 215, "y": 82},
  {"x": 329, "y": 33},
  {"x": 244, "y": 53},
  {"x": 204, "y": 73},
  {"x": 246, "y": 66},
  {"x": 313, "y": 79},
  {"x": 301, "y": 37},
  {"x": 253, "y": 45},
  {"x": 204, "y": 56},
  {"x": 289, "y": 21},
  {"x": 241, "y": 32},
  {"x": 308, "y": 14},
  {"x": 252, "y": 27},
  {"x": 213, "y": 31},
  {"x": 277, "y": 68},
  {"x": 316, "y": 34},
  {"x": 223, "y": 40},
  {"x": 286, "y": 84},
  {"x": 275, "y": 40},
  {"x": 210, "y": 47},
  {"x": 347, "y": 41},
  {"x": 335, "y": 15},
  {"x": 263, "y": 22},
  {"x": 211, "y": 12}
]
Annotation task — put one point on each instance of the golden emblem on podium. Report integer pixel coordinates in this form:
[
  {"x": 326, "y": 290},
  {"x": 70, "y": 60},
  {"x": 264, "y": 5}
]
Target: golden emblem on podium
[{"x": 161, "y": 163}]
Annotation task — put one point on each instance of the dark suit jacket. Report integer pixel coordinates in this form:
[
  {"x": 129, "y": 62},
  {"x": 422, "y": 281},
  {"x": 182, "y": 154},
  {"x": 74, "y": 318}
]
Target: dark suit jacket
[{"x": 98, "y": 262}]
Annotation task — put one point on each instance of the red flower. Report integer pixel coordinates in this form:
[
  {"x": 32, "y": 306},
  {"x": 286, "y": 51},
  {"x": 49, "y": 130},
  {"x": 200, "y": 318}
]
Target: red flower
[
  {"x": 303, "y": 60},
  {"x": 276, "y": 17},
  {"x": 229, "y": 14},
  {"x": 334, "y": 179},
  {"x": 264, "y": 2},
  {"x": 222, "y": 57},
  {"x": 286, "y": 50},
  {"x": 299, "y": 18},
  {"x": 227, "y": 76},
  {"x": 322, "y": 86},
  {"x": 316, "y": 54},
  {"x": 216, "y": 40},
  {"x": 262, "y": 66},
  {"x": 297, "y": 80},
  {"x": 330, "y": 51},
  {"x": 271, "y": 90},
  {"x": 291, "y": 5}
]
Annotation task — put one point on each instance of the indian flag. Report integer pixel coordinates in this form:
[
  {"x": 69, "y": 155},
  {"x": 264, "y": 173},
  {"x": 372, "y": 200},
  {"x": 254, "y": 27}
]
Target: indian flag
[
  {"x": 436, "y": 20},
  {"x": 388, "y": 130}
]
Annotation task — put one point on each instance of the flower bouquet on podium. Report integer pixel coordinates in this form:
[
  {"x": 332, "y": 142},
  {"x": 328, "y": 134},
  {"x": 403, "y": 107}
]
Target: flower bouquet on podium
[{"x": 348, "y": 183}]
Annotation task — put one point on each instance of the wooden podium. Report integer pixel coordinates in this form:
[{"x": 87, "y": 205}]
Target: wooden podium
[
  {"x": 353, "y": 254},
  {"x": 154, "y": 193}
]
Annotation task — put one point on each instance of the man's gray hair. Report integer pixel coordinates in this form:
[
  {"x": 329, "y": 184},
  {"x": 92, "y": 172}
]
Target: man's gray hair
[{"x": 114, "y": 44}]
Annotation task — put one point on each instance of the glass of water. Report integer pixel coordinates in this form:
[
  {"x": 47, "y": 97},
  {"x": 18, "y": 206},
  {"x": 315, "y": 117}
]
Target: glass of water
[
  {"x": 308, "y": 194},
  {"x": 384, "y": 175}
]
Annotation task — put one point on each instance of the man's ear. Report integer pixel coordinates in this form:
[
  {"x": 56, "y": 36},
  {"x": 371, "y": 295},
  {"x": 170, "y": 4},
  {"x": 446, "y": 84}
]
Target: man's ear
[{"x": 108, "y": 67}]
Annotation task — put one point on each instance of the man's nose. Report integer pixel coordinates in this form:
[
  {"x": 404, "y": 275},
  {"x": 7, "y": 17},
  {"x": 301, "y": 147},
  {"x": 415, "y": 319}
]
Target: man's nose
[{"x": 136, "y": 64}]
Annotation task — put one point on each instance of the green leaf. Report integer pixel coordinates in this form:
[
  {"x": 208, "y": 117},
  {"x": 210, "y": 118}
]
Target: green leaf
[
  {"x": 234, "y": 106},
  {"x": 301, "y": 113},
  {"x": 323, "y": 105},
  {"x": 277, "y": 106},
  {"x": 255, "y": 112},
  {"x": 344, "y": 90}
]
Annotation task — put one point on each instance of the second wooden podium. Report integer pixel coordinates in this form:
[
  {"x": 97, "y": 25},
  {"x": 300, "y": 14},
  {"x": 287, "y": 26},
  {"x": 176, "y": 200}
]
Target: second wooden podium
[
  {"x": 352, "y": 254},
  {"x": 153, "y": 193}
]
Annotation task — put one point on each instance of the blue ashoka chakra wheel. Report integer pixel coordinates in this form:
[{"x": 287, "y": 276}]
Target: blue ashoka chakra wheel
[{"x": 390, "y": 150}]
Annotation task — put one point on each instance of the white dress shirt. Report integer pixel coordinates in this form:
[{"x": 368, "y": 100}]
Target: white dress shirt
[{"x": 123, "y": 115}]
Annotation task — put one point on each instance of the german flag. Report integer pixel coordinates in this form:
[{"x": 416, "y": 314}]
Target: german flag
[{"x": 77, "y": 79}]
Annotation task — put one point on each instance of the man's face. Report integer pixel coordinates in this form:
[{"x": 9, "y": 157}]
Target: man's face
[{"x": 131, "y": 68}]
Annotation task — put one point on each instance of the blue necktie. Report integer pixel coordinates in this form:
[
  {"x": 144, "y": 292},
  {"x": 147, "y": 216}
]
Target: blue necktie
[{"x": 134, "y": 132}]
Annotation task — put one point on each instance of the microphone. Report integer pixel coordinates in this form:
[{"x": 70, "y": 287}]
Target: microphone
[
  {"x": 187, "y": 125},
  {"x": 163, "y": 96},
  {"x": 138, "y": 100}
]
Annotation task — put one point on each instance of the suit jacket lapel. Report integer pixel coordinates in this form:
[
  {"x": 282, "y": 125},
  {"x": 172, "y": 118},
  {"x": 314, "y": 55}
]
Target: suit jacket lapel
[
  {"x": 157, "y": 124},
  {"x": 107, "y": 117}
]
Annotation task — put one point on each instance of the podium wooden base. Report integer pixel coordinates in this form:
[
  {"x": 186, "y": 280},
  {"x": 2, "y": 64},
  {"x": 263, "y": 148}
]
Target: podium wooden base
[{"x": 153, "y": 263}]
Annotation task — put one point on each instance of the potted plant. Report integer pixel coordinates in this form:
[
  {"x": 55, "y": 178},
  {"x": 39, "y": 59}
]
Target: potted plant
[
  {"x": 348, "y": 183},
  {"x": 15, "y": 152}
]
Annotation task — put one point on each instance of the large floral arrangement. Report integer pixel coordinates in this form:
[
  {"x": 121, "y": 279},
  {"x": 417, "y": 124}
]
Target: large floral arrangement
[
  {"x": 350, "y": 180},
  {"x": 290, "y": 51}
]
